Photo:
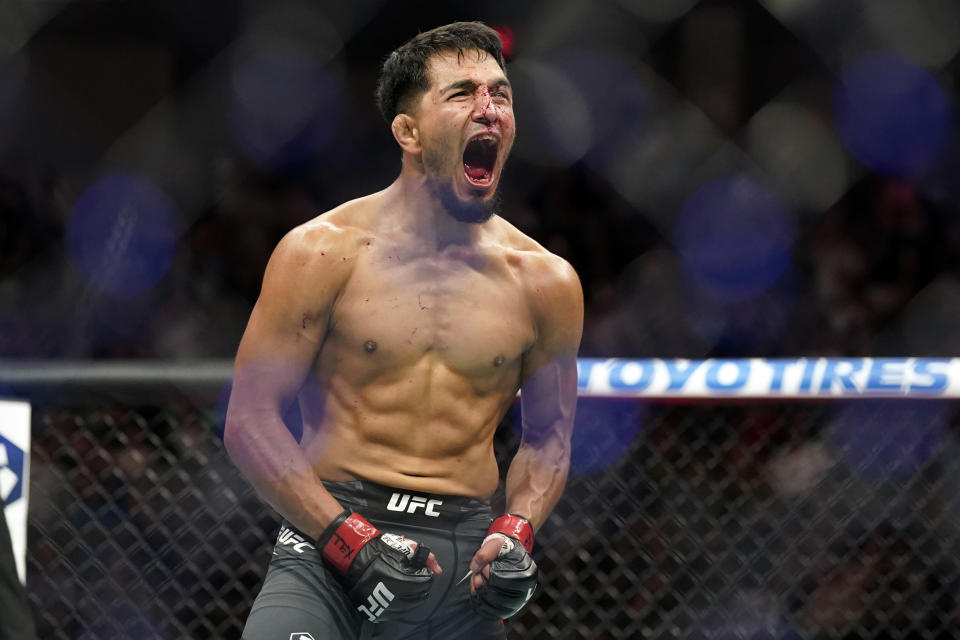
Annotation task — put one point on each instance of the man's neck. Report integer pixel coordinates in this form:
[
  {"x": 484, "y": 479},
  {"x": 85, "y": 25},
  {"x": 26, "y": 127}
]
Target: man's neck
[{"x": 417, "y": 211}]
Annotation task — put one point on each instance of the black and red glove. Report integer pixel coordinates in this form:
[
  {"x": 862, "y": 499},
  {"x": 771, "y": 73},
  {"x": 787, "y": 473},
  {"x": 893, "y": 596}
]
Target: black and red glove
[
  {"x": 385, "y": 574},
  {"x": 513, "y": 573}
]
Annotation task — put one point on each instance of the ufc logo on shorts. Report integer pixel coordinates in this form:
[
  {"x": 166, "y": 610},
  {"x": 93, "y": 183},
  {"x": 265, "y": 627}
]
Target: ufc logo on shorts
[
  {"x": 377, "y": 602},
  {"x": 410, "y": 504},
  {"x": 287, "y": 536}
]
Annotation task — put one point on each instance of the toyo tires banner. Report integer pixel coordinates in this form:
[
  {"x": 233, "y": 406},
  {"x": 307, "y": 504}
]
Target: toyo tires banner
[{"x": 771, "y": 378}]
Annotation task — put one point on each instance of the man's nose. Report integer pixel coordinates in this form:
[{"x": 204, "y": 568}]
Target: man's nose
[{"x": 484, "y": 110}]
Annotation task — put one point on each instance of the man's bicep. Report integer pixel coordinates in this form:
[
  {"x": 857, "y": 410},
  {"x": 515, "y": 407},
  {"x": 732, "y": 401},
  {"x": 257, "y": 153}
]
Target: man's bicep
[
  {"x": 549, "y": 393},
  {"x": 284, "y": 331},
  {"x": 548, "y": 398},
  {"x": 271, "y": 362}
]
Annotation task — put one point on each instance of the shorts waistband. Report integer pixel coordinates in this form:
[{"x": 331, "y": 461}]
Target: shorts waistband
[{"x": 377, "y": 501}]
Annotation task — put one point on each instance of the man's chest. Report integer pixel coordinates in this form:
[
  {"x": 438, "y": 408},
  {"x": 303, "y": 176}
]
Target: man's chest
[{"x": 472, "y": 319}]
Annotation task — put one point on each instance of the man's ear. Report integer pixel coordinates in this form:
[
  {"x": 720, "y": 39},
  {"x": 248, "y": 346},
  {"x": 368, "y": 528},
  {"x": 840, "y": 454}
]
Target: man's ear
[{"x": 406, "y": 133}]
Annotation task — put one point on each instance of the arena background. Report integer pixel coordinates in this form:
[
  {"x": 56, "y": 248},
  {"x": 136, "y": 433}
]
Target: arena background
[{"x": 731, "y": 179}]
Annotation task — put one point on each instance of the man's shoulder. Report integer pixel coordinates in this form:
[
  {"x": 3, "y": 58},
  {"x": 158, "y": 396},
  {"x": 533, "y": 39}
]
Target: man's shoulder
[
  {"x": 337, "y": 229},
  {"x": 324, "y": 248},
  {"x": 539, "y": 264},
  {"x": 552, "y": 289}
]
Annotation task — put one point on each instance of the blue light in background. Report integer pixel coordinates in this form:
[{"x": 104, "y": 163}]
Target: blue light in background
[
  {"x": 891, "y": 113},
  {"x": 617, "y": 99},
  {"x": 755, "y": 325},
  {"x": 746, "y": 616},
  {"x": 220, "y": 412},
  {"x": 551, "y": 112},
  {"x": 888, "y": 439},
  {"x": 122, "y": 234},
  {"x": 285, "y": 106},
  {"x": 603, "y": 432},
  {"x": 734, "y": 238}
]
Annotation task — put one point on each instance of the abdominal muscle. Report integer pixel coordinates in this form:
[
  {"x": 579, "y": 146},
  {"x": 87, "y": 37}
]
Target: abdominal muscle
[{"x": 433, "y": 434}]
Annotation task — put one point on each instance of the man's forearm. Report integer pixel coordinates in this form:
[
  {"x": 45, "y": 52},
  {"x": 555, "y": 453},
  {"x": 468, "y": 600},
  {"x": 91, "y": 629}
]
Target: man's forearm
[
  {"x": 273, "y": 462},
  {"x": 536, "y": 479}
]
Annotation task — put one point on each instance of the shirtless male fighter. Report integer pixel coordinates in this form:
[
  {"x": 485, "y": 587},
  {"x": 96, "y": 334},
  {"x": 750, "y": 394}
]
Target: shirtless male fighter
[{"x": 404, "y": 323}]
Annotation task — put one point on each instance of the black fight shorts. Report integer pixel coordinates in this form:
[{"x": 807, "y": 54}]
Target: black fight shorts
[{"x": 301, "y": 598}]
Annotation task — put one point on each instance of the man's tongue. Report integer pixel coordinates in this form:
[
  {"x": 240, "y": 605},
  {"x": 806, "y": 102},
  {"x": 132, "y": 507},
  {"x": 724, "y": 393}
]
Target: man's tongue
[{"x": 477, "y": 173}]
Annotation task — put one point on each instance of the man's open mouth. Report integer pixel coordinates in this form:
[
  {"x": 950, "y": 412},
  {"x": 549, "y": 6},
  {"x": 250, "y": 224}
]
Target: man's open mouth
[{"x": 479, "y": 159}]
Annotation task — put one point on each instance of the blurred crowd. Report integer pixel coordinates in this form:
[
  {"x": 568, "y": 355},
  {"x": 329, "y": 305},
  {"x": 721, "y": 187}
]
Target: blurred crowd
[
  {"x": 641, "y": 137},
  {"x": 876, "y": 274}
]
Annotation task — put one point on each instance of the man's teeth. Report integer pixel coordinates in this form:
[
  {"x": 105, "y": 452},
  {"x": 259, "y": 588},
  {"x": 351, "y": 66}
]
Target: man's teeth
[{"x": 485, "y": 138}]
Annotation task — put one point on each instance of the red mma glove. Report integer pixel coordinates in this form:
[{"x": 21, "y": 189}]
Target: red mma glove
[
  {"x": 513, "y": 573},
  {"x": 385, "y": 574}
]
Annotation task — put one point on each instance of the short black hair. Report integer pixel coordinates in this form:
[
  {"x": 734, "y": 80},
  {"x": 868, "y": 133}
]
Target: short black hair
[{"x": 404, "y": 72}]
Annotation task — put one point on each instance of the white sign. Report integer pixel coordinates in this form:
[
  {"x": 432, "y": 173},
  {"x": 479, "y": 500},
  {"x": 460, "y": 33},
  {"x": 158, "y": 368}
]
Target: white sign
[{"x": 15, "y": 475}]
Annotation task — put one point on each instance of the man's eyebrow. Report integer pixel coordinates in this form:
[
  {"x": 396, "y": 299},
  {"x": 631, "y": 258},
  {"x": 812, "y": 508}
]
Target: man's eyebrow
[
  {"x": 470, "y": 84},
  {"x": 460, "y": 84}
]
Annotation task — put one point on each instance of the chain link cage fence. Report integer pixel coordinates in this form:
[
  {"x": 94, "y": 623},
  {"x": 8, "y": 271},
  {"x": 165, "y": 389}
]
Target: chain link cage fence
[{"x": 694, "y": 519}]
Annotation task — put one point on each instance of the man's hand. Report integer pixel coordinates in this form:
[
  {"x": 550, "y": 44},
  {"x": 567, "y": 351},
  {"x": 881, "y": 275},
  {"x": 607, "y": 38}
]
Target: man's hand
[
  {"x": 386, "y": 575},
  {"x": 504, "y": 574}
]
